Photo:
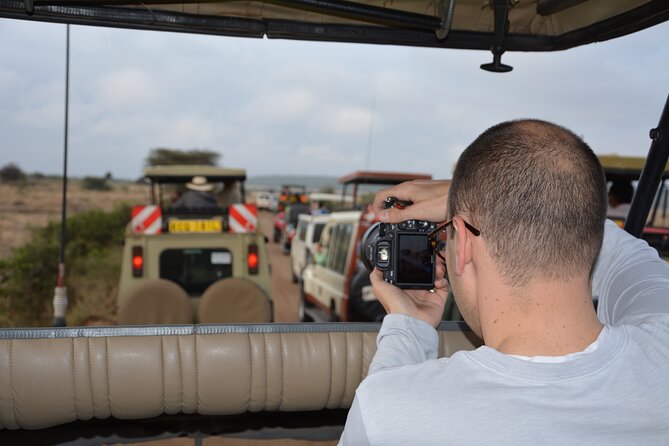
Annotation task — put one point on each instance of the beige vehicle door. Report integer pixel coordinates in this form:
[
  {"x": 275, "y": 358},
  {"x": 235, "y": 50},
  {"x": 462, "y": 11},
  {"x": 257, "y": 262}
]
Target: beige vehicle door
[{"x": 329, "y": 278}]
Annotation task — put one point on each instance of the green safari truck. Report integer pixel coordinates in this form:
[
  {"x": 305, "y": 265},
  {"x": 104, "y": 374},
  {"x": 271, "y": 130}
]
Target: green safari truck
[{"x": 199, "y": 260}]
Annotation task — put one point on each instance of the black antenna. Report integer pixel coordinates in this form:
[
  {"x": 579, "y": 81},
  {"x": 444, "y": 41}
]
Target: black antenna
[
  {"x": 60, "y": 293},
  {"x": 370, "y": 136}
]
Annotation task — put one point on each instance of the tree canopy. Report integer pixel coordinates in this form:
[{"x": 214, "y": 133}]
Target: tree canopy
[
  {"x": 11, "y": 172},
  {"x": 162, "y": 156}
]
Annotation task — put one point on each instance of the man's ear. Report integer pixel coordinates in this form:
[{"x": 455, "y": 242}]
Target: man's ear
[{"x": 463, "y": 249}]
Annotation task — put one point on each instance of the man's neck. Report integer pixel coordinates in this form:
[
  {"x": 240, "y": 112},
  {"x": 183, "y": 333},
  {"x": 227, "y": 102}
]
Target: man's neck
[{"x": 543, "y": 319}]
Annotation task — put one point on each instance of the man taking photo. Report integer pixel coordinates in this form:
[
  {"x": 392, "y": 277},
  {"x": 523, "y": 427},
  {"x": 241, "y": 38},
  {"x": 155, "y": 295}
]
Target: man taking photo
[{"x": 528, "y": 249}]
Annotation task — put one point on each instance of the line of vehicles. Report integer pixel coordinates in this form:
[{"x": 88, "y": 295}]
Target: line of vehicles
[
  {"x": 209, "y": 263},
  {"x": 334, "y": 285}
]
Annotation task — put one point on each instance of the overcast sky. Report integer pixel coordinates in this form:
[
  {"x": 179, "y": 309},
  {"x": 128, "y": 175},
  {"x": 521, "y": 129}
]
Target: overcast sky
[{"x": 285, "y": 107}]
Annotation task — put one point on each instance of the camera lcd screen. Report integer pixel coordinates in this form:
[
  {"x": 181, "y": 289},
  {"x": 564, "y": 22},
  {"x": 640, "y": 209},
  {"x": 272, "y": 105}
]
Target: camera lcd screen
[{"x": 414, "y": 264}]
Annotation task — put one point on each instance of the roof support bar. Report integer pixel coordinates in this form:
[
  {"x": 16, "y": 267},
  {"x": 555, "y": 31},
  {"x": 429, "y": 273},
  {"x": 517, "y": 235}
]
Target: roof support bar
[
  {"x": 365, "y": 13},
  {"x": 651, "y": 175},
  {"x": 346, "y": 9},
  {"x": 550, "y": 7}
]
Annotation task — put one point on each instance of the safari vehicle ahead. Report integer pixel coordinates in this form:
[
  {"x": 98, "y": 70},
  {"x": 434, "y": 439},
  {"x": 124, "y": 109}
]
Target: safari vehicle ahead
[
  {"x": 184, "y": 263},
  {"x": 627, "y": 169},
  {"x": 112, "y": 384},
  {"x": 292, "y": 194},
  {"x": 335, "y": 285}
]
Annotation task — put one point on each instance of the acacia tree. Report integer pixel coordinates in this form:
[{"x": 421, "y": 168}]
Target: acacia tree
[
  {"x": 11, "y": 172},
  {"x": 161, "y": 156}
]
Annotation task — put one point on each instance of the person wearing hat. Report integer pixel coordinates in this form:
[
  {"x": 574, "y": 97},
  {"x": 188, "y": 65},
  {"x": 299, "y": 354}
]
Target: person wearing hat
[{"x": 197, "y": 195}]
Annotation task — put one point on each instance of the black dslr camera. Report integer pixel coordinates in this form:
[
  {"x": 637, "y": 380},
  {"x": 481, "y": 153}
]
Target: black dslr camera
[{"x": 401, "y": 250}]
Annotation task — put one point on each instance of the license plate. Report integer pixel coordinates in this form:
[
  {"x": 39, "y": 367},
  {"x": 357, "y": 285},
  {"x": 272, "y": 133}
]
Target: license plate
[{"x": 195, "y": 226}]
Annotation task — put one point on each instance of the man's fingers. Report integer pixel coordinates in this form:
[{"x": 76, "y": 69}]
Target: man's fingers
[
  {"x": 380, "y": 198},
  {"x": 375, "y": 276},
  {"x": 428, "y": 210},
  {"x": 388, "y": 295},
  {"x": 441, "y": 284}
]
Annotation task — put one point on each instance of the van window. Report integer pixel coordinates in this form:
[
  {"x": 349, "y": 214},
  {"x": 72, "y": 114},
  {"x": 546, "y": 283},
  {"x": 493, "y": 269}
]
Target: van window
[
  {"x": 341, "y": 238},
  {"x": 302, "y": 230},
  {"x": 195, "y": 269},
  {"x": 318, "y": 230}
]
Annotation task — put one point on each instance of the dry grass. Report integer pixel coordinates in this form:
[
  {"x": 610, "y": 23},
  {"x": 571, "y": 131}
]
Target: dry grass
[{"x": 24, "y": 206}]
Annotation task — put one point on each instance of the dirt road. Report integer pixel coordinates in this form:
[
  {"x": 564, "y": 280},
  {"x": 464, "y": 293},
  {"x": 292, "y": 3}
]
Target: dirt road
[{"x": 285, "y": 293}]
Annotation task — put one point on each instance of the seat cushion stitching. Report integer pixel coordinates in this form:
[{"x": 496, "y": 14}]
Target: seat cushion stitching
[
  {"x": 181, "y": 377},
  {"x": 11, "y": 380},
  {"x": 90, "y": 373},
  {"x": 282, "y": 370},
  {"x": 346, "y": 364},
  {"x": 74, "y": 383},
  {"x": 248, "y": 401},
  {"x": 109, "y": 406},
  {"x": 362, "y": 356},
  {"x": 331, "y": 349},
  {"x": 162, "y": 368},
  {"x": 197, "y": 395},
  {"x": 264, "y": 341}
]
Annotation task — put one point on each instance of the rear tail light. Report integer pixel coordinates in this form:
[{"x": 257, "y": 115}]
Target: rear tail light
[
  {"x": 137, "y": 261},
  {"x": 252, "y": 259}
]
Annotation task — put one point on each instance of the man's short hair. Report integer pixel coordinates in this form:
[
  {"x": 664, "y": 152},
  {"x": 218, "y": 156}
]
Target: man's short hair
[{"x": 537, "y": 193}]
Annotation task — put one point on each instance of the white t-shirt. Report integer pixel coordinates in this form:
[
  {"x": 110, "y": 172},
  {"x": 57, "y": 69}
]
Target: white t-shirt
[{"x": 616, "y": 393}]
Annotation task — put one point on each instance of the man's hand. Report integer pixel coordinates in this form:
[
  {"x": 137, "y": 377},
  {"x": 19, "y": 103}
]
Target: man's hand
[
  {"x": 425, "y": 305},
  {"x": 429, "y": 201}
]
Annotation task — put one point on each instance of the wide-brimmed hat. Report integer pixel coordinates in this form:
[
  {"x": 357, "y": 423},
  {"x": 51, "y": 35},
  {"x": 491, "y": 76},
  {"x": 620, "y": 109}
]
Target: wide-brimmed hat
[{"x": 199, "y": 183}]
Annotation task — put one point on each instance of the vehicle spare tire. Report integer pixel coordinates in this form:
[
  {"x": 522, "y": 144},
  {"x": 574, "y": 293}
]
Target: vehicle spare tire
[
  {"x": 234, "y": 300},
  {"x": 358, "y": 309},
  {"x": 156, "y": 301}
]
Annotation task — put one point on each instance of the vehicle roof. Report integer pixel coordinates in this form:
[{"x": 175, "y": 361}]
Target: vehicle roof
[
  {"x": 625, "y": 167},
  {"x": 533, "y": 25},
  {"x": 374, "y": 177},
  {"x": 321, "y": 196},
  {"x": 344, "y": 216},
  {"x": 320, "y": 218},
  {"x": 185, "y": 173}
]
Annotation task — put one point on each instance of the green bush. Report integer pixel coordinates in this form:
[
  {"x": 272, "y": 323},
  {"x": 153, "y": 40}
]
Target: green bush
[
  {"x": 28, "y": 276},
  {"x": 95, "y": 183}
]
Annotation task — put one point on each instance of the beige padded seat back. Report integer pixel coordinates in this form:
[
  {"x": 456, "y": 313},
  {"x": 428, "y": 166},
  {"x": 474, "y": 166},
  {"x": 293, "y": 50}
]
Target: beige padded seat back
[
  {"x": 234, "y": 300},
  {"x": 143, "y": 372},
  {"x": 156, "y": 301}
]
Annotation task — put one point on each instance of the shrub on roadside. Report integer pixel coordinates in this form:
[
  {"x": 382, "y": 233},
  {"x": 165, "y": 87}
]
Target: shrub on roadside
[
  {"x": 28, "y": 276},
  {"x": 11, "y": 172},
  {"x": 95, "y": 183}
]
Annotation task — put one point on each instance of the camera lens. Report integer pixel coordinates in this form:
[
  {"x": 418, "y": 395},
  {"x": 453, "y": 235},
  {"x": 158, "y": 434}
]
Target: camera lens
[{"x": 366, "y": 250}]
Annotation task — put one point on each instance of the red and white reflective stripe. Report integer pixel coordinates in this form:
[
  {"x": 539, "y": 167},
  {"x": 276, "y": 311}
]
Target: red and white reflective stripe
[
  {"x": 146, "y": 219},
  {"x": 242, "y": 218}
]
